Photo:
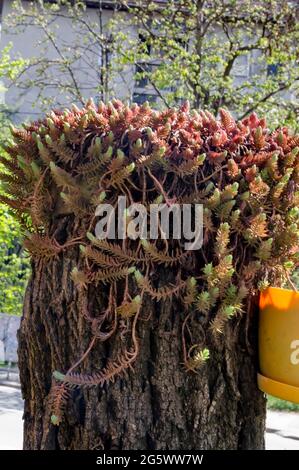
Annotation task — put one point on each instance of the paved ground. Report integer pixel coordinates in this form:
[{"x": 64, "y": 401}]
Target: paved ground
[
  {"x": 282, "y": 430},
  {"x": 11, "y": 425},
  {"x": 282, "y": 427}
]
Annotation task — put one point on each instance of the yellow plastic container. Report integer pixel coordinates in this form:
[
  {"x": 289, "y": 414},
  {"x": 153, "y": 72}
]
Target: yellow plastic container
[{"x": 279, "y": 343}]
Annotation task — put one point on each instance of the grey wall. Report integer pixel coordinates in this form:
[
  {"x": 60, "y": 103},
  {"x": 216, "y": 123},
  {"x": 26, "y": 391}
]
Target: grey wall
[
  {"x": 122, "y": 84},
  {"x": 9, "y": 325},
  {"x": 25, "y": 44}
]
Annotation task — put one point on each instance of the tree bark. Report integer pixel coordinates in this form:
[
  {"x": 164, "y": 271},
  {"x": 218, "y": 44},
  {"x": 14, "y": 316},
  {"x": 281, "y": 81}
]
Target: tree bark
[{"x": 158, "y": 405}]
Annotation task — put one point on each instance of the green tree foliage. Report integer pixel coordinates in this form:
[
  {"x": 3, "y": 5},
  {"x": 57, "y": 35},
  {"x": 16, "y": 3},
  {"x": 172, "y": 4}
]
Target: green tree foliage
[
  {"x": 241, "y": 55},
  {"x": 14, "y": 265},
  {"x": 66, "y": 67},
  {"x": 213, "y": 53},
  {"x": 296, "y": 279}
]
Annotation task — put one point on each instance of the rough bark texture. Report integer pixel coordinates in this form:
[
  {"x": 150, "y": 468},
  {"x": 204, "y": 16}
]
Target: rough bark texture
[{"x": 158, "y": 405}]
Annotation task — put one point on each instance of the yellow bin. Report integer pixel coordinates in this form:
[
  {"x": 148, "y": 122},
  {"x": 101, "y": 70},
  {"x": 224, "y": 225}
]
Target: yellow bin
[{"x": 279, "y": 343}]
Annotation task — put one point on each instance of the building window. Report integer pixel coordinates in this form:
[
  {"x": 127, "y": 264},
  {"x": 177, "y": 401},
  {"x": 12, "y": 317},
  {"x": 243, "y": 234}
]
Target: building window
[
  {"x": 241, "y": 66},
  {"x": 143, "y": 91},
  {"x": 141, "y": 98},
  {"x": 141, "y": 71}
]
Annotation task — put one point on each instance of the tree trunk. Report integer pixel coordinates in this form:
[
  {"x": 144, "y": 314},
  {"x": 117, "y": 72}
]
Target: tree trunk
[{"x": 158, "y": 405}]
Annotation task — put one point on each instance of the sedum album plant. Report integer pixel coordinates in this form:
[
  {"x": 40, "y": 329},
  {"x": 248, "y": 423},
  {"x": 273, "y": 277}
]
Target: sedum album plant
[{"x": 245, "y": 176}]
